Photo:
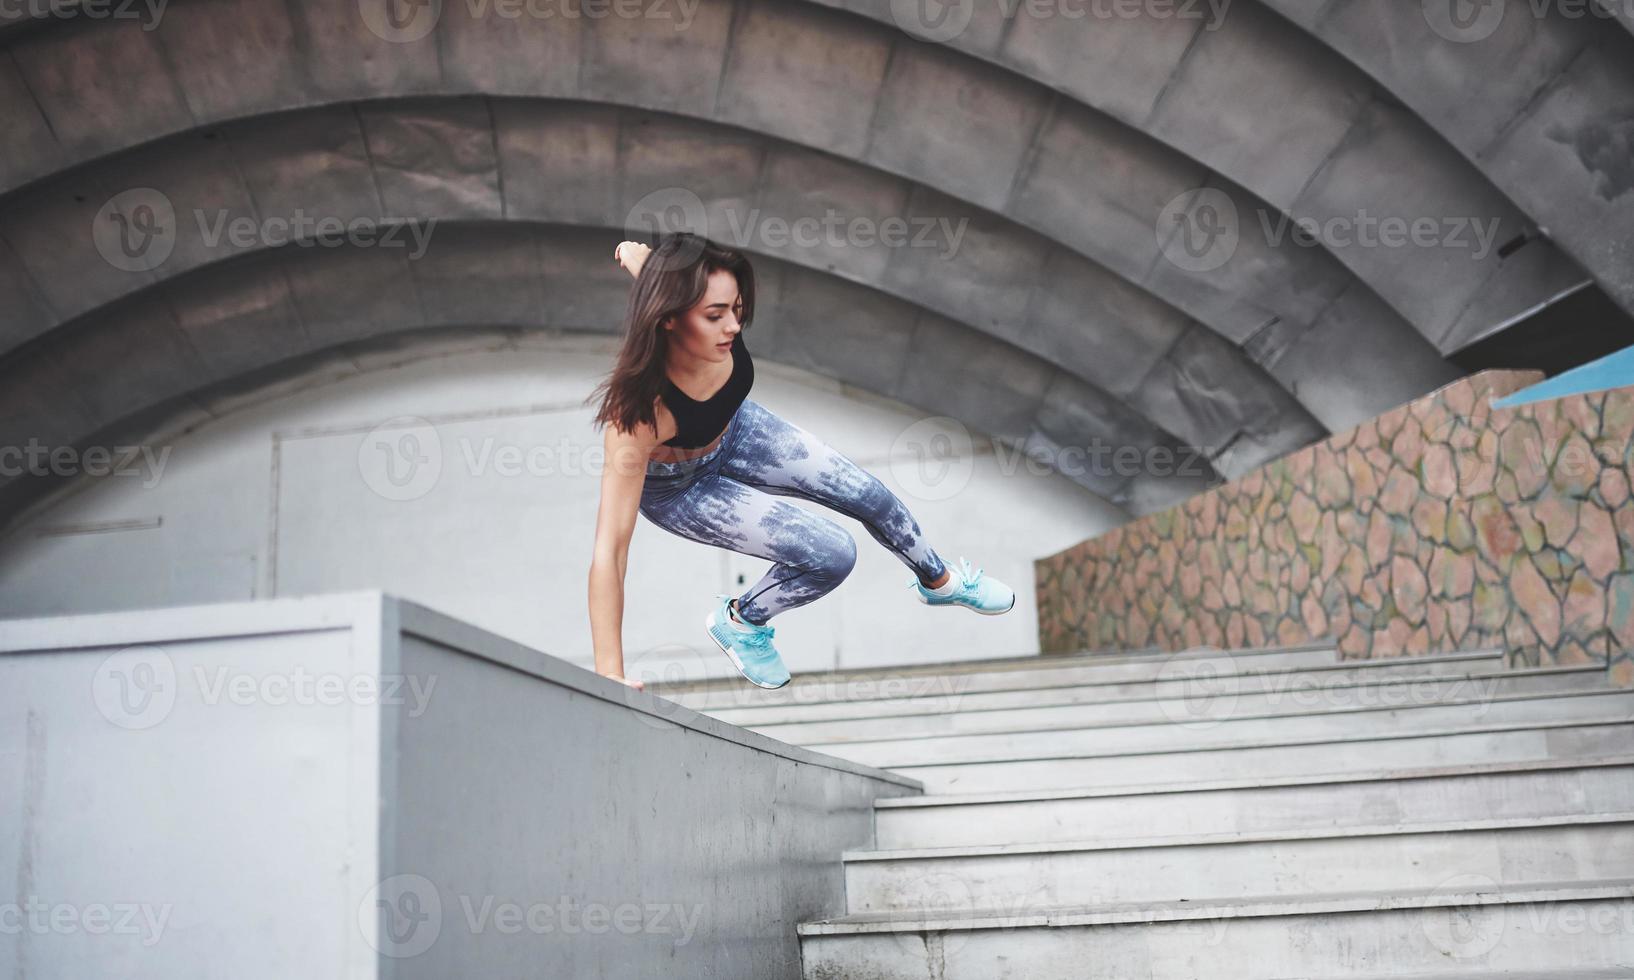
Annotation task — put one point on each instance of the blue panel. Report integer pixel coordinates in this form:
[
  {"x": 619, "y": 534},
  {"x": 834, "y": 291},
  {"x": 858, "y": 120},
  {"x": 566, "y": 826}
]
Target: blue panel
[{"x": 1612, "y": 371}]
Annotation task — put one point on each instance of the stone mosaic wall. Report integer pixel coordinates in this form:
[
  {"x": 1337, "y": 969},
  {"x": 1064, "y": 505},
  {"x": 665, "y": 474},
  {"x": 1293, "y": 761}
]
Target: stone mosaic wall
[{"x": 1442, "y": 525}]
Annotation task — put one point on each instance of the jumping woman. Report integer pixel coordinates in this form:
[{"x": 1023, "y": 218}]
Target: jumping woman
[{"x": 687, "y": 449}]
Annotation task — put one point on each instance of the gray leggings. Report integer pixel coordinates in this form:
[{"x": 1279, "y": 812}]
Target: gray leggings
[{"x": 729, "y": 498}]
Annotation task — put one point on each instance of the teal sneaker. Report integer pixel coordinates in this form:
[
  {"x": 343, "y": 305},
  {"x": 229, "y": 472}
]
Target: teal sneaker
[
  {"x": 988, "y": 596},
  {"x": 751, "y": 650}
]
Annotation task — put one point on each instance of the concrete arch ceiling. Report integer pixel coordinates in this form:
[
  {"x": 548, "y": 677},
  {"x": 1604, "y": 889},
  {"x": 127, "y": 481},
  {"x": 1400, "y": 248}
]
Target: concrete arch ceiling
[
  {"x": 1270, "y": 108},
  {"x": 1322, "y": 334},
  {"x": 185, "y": 348},
  {"x": 1553, "y": 126},
  {"x": 472, "y": 159},
  {"x": 219, "y": 57},
  {"x": 1264, "y": 104}
]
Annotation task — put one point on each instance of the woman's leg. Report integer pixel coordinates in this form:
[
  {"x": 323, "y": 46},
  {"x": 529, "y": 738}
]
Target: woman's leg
[
  {"x": 811, "y": 554},
  {"x": 781, "y": 458}
]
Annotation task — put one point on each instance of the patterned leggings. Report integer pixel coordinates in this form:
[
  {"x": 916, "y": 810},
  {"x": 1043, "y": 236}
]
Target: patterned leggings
[{"x": 729, "y": 498}]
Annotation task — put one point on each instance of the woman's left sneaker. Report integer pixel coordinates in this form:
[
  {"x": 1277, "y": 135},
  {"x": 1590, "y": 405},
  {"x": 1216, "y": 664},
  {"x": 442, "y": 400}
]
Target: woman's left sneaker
[
  {"x": 988, "y": 596},
  {"x": 749, "y": 646}
]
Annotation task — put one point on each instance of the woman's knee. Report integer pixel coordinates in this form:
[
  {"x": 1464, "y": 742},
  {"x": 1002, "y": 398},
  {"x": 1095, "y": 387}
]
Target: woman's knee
[{"x": 838, "y": 555}]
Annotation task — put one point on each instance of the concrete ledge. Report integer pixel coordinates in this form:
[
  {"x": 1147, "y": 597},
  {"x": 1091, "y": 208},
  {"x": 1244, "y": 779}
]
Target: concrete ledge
[
  {"x": 355, "y": 785},
  {"x": 337, "y": 611}
]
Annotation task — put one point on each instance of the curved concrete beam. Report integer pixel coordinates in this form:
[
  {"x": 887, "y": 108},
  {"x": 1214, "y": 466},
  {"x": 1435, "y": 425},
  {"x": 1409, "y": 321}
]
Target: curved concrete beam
[
  {"x": 1278, "y": 301},
  {"x": 1552, "y": 126},
  {"x": 1268, "y": 107},
  {"x": 188, "y": 345},
  {"x": 588, "y": 164}
]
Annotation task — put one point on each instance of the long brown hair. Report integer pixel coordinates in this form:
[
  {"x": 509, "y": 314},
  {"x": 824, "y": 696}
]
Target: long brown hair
[{"x": 672, "y": 281}]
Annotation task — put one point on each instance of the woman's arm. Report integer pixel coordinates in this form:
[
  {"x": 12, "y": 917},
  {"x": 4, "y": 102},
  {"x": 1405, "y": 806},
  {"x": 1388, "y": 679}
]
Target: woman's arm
[
  {"x": 623, "y": 475},
  {"x": 631, "y": 256}
]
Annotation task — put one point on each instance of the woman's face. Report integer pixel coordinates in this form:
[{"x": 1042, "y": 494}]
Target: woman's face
[{"x": 709, "y": 328}]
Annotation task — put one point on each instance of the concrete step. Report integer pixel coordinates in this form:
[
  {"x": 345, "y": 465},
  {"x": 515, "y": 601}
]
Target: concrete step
[
  {"x": 1215, "y": 867},
  {"x": 934, "y": 695},
  {"x": 1233, "y": 730},
  {"x": 1535, "y": 790},
  {"x": 1571, "y": 931},
  {"x": 1014, "y": 673},
  {"x": 1380, "y": 750},
  {"x": 1265, "y": 695}
]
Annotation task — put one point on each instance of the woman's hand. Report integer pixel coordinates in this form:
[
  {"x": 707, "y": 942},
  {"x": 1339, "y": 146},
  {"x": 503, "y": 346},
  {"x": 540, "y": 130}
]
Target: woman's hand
[
  {"x": 638, "y": 685},
  {"x": 631, "y": 256}
]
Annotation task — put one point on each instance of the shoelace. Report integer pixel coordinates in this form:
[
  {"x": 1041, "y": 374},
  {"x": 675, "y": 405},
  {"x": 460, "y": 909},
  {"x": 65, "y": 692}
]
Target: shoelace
[
  {"x": 758, "y": 637},
  {"x": 759, "y": 642}
]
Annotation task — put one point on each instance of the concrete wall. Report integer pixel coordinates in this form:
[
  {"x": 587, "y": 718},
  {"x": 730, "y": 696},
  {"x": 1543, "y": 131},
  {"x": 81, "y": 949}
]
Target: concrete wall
[
  {"x": 354, "y": 786},
  {"x": 293, "y": 493},
  {"x": 1445, "y": 524}
]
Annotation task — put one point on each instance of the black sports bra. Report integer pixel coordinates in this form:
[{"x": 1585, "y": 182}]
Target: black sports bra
[{"x": 700, "y": 422}]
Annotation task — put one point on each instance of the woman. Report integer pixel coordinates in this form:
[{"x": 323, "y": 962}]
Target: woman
[{"x": 687, "y": 449}]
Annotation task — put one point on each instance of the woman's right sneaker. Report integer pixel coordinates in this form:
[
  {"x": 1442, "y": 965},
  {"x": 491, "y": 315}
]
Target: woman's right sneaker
[
  {"x": 986, "y": 595},
  {"x": 749, "y": 646}
]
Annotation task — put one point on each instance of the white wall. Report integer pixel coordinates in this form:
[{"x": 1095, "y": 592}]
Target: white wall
[{"x": 290, "y": 494}]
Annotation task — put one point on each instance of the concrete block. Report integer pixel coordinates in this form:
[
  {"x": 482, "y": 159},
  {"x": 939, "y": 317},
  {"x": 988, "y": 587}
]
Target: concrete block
[
  {"x": 231, "y": 60},
  {"x": 805, "y": 73},
  {"x": 1216, "y": 105},
  {"x": 1117, "y": 64},
  {"x": 560, "y": 159},
  {"x": 481, "y": 274},
  {"x": 32, "y": 149},
  {"x": 355, "y": 51},
  {"x": 814, "y": 188},
  {"x": 316, "y": 163},
  {"x": 1566, "y": 158},
  {"x": 1361, "y": 360},
  {"x": 1098, "y": 326},
  {"x": 961, "y": 127},
  {"x": 514, "y": 53},
  {"x": 100, "y": 89},
  {"x": 1432, "y": 284},
  {"x": 434, "y": 158},
  {"x": 238, "y": 319},
  {"x": 653, "y": 63}
]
